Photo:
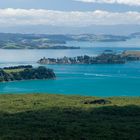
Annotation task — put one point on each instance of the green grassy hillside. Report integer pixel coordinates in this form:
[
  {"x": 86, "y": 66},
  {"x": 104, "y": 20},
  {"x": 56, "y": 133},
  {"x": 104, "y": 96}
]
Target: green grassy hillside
[{"x": 58, "y": 117}]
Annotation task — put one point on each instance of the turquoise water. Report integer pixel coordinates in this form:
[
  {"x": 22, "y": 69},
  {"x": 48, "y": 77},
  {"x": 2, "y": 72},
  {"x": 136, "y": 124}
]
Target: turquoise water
[{"x": 95, "y": 80}]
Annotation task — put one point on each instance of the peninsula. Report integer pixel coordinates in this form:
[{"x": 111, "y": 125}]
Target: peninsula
[
  {"x": 25, "y": 73},
  {"x": 132, "y": 55},
  {"x": 46, "y": 41},
  {"x": 107, "y": 57}
]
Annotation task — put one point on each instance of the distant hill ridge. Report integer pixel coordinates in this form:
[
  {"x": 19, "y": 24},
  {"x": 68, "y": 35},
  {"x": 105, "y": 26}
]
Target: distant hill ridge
[{"x": 46, "y": 41}]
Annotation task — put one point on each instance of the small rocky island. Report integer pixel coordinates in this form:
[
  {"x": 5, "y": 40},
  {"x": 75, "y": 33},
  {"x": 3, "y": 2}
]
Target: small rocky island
[
  {"x": 107, "y": 57},
  {"x": 25, "y": 73}
]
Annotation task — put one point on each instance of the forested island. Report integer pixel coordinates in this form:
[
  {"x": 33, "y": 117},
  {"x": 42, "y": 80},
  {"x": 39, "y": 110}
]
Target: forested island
[
  {"x": 107, "y": 57},
  {"x": 102, "y": 59},
  {"x": 25, "y": 73}
]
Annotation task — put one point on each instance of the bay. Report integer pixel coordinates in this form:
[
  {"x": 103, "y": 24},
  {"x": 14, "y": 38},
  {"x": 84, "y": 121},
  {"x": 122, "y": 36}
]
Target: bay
[{"x": 93, "y": 80}]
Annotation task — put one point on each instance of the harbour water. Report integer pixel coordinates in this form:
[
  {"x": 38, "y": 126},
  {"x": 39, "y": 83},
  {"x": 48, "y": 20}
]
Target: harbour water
[{"x": 93, "y": 80}]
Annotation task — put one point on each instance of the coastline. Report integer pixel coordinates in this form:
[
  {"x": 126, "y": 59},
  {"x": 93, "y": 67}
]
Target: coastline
[
  {"x": 67, "y": 95},
  {"x": 25, "y": 72}
]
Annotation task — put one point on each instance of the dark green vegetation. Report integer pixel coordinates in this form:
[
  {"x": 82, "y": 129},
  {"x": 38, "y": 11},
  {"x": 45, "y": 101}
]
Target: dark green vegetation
[
  {"x": 44, "y": 41},
  {"x": 25, "y": 73},
  {"x": 18, "y": 67},
  {"x": 101, "y": 59},
  {"x": 58, "y": 117},
  {"x": 107, "y": 57}
]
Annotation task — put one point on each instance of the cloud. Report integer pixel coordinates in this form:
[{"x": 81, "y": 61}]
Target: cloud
[
  {"x": 16, "y": 17},
  {"x": 126, "y": 2}
]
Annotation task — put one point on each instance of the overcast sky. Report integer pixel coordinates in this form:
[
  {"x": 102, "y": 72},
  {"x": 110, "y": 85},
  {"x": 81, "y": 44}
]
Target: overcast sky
[{"x": 64, "y": 15}]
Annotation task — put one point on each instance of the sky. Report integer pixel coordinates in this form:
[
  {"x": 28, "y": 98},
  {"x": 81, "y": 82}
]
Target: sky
[{"x": 70, "y": 16}]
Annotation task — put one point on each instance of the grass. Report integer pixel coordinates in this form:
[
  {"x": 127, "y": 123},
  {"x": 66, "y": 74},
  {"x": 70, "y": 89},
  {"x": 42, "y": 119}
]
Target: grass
[
  {"x": 133, "y": 52},
  {"x": 59, "y": 117},
  {"x": 13, "y": 70}
]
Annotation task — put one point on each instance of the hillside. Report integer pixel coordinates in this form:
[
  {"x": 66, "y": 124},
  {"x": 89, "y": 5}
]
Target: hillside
[
  {"x": 25, "y": 73},
  {"x": 45, "y": 41},
  {"x": 58, "y": 117}
]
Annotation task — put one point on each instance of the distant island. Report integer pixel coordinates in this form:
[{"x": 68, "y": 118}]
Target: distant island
[
  {"x": 25, "y": 73},
  {"x": 107, "y": 57},
  {"x": 46, "y": 41},
  {"x": 60, "y": 47}
]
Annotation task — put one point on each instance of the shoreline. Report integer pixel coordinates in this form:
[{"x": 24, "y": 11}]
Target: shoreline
[{"x": 67, "y": 95}]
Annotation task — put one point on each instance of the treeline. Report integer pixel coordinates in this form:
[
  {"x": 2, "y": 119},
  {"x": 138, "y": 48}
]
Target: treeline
[
  {"x": 19, "y": 67},
  {"x": 101, "y": 59},
  {"x": 27, "y": 74}
]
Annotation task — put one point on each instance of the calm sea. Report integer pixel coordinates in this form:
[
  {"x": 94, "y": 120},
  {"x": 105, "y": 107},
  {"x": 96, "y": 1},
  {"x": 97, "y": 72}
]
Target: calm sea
[{"x": 94, "y": 80}]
